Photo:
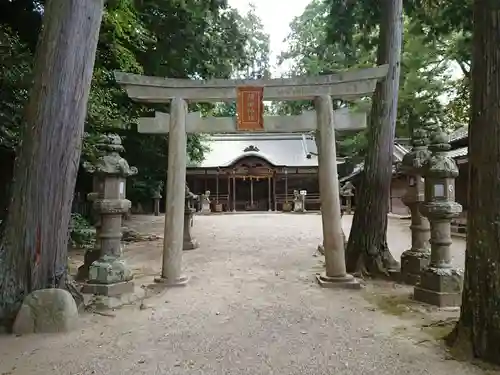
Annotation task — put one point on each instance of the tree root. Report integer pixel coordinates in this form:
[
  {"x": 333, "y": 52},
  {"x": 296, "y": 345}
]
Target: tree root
[
  {"x": 459, "y": 342},
  {"x": 74, "y": 289},
  {"x": 375, "y": 263}
]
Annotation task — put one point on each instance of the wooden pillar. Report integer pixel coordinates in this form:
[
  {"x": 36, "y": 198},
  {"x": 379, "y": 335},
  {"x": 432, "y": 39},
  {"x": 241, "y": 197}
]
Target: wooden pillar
[
  {"x": 333, "y": 243},
  {"x": 217, "y": 187},
  {"x": 274, "y": 193},
  {"x": 251, "y": 192},
  {"x": 286, "y": 186},
  {"x": 234, "y": 192},
  {"x": 269, "y": 192},
  {"x": 171, "y": 273},
  {"x": 229, "y": 195}
]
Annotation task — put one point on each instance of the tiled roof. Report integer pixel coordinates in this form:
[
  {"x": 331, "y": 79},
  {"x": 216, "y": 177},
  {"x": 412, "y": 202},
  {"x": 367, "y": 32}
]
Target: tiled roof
[
  {"x": 459, "y": 134},
  {"x": 399, "y": 152},
  {"x": 293, "y": 150},
  {"x": 458, "y": 153}
]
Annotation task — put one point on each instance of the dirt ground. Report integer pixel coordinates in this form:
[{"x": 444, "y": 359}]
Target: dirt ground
[{"x": 252, "y": 306}]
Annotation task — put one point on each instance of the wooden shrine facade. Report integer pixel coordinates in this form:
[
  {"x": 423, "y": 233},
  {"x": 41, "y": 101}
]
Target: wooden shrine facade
[
  {"x": 251, "y": 172},
  {"x": 254, "y": 185}
]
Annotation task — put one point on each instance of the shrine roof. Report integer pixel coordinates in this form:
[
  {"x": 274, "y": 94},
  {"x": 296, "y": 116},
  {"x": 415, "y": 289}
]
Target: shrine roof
[
  {"x": 459, "y": 134},
  {"x": 292, "y": 150},
  {"x": 459, "y": 152}
]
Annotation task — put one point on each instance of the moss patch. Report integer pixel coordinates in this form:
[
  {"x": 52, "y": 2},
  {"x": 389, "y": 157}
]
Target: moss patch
[{"x": 398, "y": 303}]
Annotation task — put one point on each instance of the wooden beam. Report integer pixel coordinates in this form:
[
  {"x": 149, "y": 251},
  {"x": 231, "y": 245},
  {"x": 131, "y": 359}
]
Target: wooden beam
[
  {"x": 156, "y": 94},
  {"x": 347, "y": 76},
  {"x": 346, "y": 85},
  {"x": 344, "y": 119}
]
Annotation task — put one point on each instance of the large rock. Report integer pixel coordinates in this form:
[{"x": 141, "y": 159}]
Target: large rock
[{"x": 47, "y": 311}]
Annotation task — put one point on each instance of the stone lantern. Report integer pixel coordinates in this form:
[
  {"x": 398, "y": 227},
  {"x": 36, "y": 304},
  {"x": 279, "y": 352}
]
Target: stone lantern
[
  {"x": 347, "y": 192},
  {"x": 156, "y": 198},
  {"x": 109, "y": 275},
  {"x": 189, "y": 243},
  {"x": 414, "y": 260},
  {"x": 440, "y": 283}
]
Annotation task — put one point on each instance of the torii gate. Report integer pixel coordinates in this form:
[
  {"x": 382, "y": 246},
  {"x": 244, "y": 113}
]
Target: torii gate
[{"x": 250, "y": 95}]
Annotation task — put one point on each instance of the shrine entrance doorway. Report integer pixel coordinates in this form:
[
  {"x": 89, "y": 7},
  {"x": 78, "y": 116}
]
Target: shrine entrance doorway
[{"x": 253, "y": 194}]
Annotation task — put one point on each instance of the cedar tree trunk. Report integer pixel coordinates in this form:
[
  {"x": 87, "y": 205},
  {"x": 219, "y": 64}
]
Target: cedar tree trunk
[
  {"x": 478, "y": 329},
  {"x": 367, "y": 251},
  {"x": 33, "y": 251}
]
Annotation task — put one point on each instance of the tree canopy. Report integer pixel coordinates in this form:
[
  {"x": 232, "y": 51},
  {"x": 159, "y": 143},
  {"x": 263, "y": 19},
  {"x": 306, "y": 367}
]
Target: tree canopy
[
  {"x": 334, "y": 35},
  {"x": 172, "y": 38}
]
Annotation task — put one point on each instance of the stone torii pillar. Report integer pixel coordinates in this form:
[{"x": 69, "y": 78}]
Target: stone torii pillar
[
  {"x": 333, "y": 241},
  {"x": 171, "y": 273}
]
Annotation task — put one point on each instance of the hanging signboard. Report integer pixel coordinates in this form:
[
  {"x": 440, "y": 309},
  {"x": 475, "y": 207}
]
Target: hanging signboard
[{"x": 250, "y": 108}]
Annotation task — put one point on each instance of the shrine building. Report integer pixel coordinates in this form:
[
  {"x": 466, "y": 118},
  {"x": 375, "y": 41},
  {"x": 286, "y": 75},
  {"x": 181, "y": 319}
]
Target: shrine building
[{"x": 257, "y": 171}]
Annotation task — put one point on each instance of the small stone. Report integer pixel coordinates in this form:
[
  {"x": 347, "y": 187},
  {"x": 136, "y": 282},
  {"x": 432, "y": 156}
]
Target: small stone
[
  {"x": 141, "y": 361},
  {"x": 217, "y": 313},
  {"x": 46, "y": 311}
]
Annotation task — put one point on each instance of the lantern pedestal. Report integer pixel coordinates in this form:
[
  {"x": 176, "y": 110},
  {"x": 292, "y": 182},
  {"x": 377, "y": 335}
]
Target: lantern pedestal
[{"x": 440, "y": 287}]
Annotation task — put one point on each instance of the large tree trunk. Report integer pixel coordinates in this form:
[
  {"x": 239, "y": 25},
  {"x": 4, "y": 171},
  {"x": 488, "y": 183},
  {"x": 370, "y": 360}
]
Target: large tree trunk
[
  {"x": 367, "y": 251},
  {"x": 479, "y": 325},
  {"x": 33, "y": 251}
]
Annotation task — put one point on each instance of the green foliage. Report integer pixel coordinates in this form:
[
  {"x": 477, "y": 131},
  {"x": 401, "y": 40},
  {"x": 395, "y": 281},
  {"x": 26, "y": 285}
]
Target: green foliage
[
  {"x": 15, "y": 76},
  {"x": 443, "y": 28},
  {"x": 257, "y": 46},
  {"x": 336, "y": 35},
  {"x": 181, "y": 39},
  {"x": 82, "y": 234}
]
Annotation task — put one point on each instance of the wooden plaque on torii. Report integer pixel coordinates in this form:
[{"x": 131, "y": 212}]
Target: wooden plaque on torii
[{"x": 250, "y": 108}]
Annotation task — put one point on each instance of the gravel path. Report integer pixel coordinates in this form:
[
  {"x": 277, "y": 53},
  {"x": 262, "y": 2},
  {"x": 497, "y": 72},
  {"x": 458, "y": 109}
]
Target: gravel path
[{"x": 251, "y": 307}]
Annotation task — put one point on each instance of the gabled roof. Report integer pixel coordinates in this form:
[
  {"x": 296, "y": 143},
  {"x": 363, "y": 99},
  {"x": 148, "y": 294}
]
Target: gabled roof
[
  {"x": 460, "y": 133},
  {"x": 285, "y": 149},
  {"x": 458, "y": 153},
  {"x": 398, "y": 152}
]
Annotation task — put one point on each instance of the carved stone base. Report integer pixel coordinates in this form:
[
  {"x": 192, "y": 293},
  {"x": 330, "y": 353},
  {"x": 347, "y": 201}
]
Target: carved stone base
[
  {"x": 412, "y": 265},
  {"x": 190, "y": 245},
  {"x": 440, "y": 287},
  {"x": 109, "y": 270},
  {"x": 109, "y": 290},
  {"x": 90, "y": 257},
  {"x": 103, "y": 302},
  {"x": 341, "y": 282},
  {"x": 181, "y": 281}
]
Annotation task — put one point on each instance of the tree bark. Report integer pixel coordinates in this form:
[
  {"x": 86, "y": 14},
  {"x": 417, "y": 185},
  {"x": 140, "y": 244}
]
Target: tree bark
[
  {"x": 33, "y": 251},
  {"x": 367, "y": 251},
  {"x": 478, "y": 328}
]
